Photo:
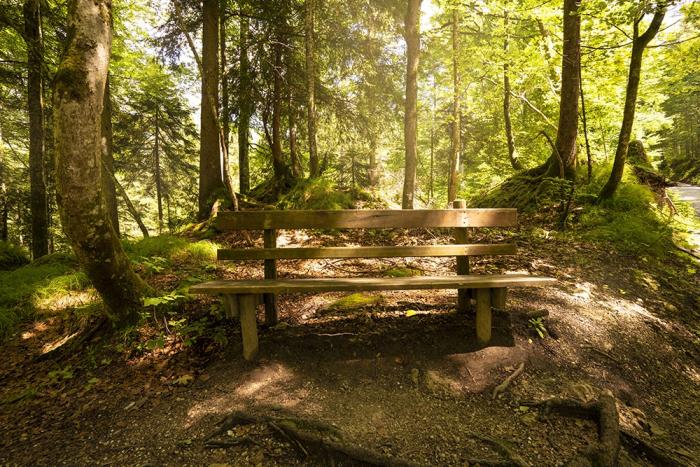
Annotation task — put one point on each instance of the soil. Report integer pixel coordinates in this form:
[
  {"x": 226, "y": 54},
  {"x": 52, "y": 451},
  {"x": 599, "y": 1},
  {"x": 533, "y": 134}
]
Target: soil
[{"x": 402, "y": 377}]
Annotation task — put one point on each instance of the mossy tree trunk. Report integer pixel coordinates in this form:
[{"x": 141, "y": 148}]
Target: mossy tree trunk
[
  {"x": 639, "y": 43},
  {"x": 410, "y": 126},
  {"x": 35, "y": 95},
  {"x": 210, "y": 172},
  {"x": 78, "y": 103},
  {"x": 567, "y": 131},
  {"x": 510, "y": 140}
]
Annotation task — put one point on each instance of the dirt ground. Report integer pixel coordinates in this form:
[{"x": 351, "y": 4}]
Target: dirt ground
[{"x": 402, "y": 377}]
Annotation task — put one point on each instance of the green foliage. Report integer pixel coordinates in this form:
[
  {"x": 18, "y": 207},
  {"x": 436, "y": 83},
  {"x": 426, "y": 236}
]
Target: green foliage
[
  {"x": 154, "y": 254},
  {"x": 355, "y": 301},
  {"x": 24, "y": 291},
  {"x": 397, "y": 271},
  {"x": 12, "y": 256},
  {"x": 317, "y": 193},
  {"x": 527, "y": 194},
  {"x": 537, "y": 324}
]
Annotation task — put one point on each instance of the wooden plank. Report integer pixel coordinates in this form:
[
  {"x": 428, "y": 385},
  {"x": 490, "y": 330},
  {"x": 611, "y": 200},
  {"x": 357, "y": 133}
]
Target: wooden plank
[
  {"x": 377, "y": 219},
  {"x": 461, "y": 236},
  {"x": 249, "y": 325},
  {"x": 367, "y": 252},
  {"x": 498, "y": 297},
  {"x": 270, "y": 239},
  {"x": 370, "y": 283},
  {"x": 483, "y": 315}
]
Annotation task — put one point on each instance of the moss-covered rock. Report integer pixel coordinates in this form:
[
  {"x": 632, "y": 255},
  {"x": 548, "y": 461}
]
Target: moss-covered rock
[{"x": 355, "y": 301}]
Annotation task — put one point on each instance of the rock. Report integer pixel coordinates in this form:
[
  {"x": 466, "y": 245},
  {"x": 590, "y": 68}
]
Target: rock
[{"x": 438, "y": 384}]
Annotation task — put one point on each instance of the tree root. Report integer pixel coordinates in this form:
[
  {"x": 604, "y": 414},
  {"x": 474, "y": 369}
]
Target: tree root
[
  {"x": 512, "y": 458},
  {"x": 604, "y": 453},
  {"x": 653, "y": 454},
  {"x": 100, "y": 326},
  {"x": 310, "y": 438},
  {"x": 504, "y": 385}
]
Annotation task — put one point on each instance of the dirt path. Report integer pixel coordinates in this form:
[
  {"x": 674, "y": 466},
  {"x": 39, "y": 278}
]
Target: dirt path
[
  {"x": 402, "y": 377},
  {"x": 688, "y": 193}
]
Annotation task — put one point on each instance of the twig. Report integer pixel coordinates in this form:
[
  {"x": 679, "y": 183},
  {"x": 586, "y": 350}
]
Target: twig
[{"x": 504, "y": 385}]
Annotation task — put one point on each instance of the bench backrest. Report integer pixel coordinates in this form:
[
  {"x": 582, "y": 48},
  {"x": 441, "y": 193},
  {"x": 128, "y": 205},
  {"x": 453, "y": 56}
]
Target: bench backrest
[
  {"x": 458, "y": 219},
  {"x": 366, "y": 219}
]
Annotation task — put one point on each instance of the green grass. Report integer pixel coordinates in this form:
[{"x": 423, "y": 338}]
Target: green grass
[
  {"x": 317, "y": 193},
  {"x": 24, "y": 288}
]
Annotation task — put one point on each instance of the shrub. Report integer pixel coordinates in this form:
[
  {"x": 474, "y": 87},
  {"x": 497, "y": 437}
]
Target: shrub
[{"x": 12, "y": 256}]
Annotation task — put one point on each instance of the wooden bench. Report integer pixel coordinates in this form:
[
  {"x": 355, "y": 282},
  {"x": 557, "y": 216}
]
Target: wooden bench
[{"x": 242, "y": 296}]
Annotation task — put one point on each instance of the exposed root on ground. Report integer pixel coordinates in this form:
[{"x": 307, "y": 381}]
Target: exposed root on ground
[
  {"x": 603, "y": 411},
  {"x": 77, "y": 341},
  {"x": 504, "y": 385}
]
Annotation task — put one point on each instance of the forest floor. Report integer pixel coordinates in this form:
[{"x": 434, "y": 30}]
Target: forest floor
[{"x": 398, "y": 373}]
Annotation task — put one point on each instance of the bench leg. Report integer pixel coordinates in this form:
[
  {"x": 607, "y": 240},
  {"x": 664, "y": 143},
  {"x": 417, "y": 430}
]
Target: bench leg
[
  {"x": 230, "y": 306},
  {"x": 498, "y": 297},
  {"x": 483, "y": 315},
  {"x": 249, "y": 325}
]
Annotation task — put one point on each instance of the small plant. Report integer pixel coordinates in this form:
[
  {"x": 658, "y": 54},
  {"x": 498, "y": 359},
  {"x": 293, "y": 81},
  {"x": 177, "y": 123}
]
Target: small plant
[{"x": 537, "y": 324}]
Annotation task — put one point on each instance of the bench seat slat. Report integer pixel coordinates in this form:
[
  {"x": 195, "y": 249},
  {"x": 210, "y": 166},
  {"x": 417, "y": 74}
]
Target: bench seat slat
[
  {"x": 369, "y": 283},
  {"x": 366, "y": 219},
  {"x": 366, "y": 252}
]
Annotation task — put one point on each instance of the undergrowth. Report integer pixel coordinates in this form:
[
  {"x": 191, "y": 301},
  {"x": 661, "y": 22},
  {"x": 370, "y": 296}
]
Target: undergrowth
[{"x": 12, "y": 256}]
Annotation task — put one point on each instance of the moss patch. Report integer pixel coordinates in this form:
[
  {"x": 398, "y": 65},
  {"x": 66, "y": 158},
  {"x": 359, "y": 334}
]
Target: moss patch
[
  {"x": 402, "y": 272},
  {"x": 355, "y": 301}
]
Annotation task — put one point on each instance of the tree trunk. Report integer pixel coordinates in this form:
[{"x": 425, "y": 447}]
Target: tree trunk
[
  {"x": 278, "y": 166},
  {"x": 4, "y": 204},
  {"x": 584, "y": 120},
  {"x": 453, "y": 182},
  {"x": 210, "y": 174},
  {"x": 159, "y": 182},
  {"x": 297, "y": 170},
  {"x": 568, "y": 104},
  {"x": 244, "y": 108},
  {"x": 106, "y": 171},
  {"x": 311, "y": 87},
  {"x": 35, "y": 91},
  {"x": 108, "y": 188},
  {"x": 373, "y": 172},
  {"x": 412, "y": 37},
  {"x": 225, "y": 104},
  {"x": 512, "y": 154},
  {"x": 78, "y": 101},
  {"x": 639, "y": 43}
]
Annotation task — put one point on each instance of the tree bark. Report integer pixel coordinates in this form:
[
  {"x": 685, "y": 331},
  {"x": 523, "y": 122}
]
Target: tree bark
[
  {"x": 311, "y": 87},
  {"x": 106, "y": 171},
  {"x": 584, "y": 120},
  {"x": 244, "y": 108},
  {"x": 210, "y": 169},
  {"x": 568, "y": 104},
  {"x": 156, "y": 161},
  {"x": 297, "y": 169},
  {"x": 412, "y": 37},
  {"x": 453, "y": 182},
  {"x": 78, "y": 104},
  {"x": 4, "y": 204},
  {"x": 639, "y": 44},
  {"x": 278, "y": 165},
  {"x": 512, "y": 154},
  {"x": 225, "y": 102},
  {"x": 108, "y": 188},
  {"x": 35, "y": 95}
]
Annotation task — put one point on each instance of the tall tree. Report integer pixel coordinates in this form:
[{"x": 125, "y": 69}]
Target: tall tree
[
  {"x": 510, "y": 141},
  {"x": 35, "y": 95},
  {"x": 244, "y": 105},
  {"x": 453, "y": 183},
  {"x": 309, "y": 17},
  {"x": 225, "y": 102},
  {"x": 639, "y": 44},
  {"x": 109, "y": 190},
  {"x": 210, "y": 174},
  {"x": 410, "y": 129},
  {"x": 565, "y": 146},
  {"x": 78, "y": 103}
]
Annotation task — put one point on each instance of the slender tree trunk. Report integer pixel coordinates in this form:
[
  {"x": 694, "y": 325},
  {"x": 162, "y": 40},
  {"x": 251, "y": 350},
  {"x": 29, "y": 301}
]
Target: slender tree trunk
[
  {"x": 297, "y": 169},
  {"x": 568, "y": 105},
  {"x": 512, "y": 154},
  {"x": 244, "y": 105},
  {"x": 35, "y": 94},
  {"x": 159, "y": 181},
  {"x": 78, "y": 101},
  {"x": 589, "y": 160},
  {"x": 4, "y": 204},
  {"x": 412, "y": 37},
  {"x": 453, "y": 182},
  {"x": 225, "y": 103},
  {"x": 210, "y": 170},
  {"x": 311, "y": 87},
  {"x": 548, "y": 51},
  {"x": 278, "y": 164},
  {"x": 639, "y": 43},
  {"x": 433, "y": 109},
  {"x": 373, "y": 172},
  {"x": 127, "y": 201},
  {"x": 108, "y": 188}
]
